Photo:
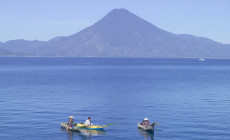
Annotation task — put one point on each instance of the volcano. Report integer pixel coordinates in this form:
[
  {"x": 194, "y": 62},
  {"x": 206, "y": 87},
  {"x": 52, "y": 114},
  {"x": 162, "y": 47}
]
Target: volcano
[{"x": 122, "y": 34}]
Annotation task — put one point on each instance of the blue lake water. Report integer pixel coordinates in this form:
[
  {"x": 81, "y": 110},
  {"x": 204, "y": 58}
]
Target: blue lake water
[{"x": 188, "y": 98}]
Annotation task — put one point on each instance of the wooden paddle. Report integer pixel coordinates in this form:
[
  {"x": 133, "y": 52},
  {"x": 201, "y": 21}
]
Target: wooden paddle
[
  {"x": 155, "y": 123},
  {"x": 107, "y": 125}
]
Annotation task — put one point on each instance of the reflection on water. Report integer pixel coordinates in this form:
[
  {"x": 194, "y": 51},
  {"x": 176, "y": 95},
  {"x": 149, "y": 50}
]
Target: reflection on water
[
  {"x": 91, "y": 132},
  {"x": 69, "y": 133},
  {"x": 146, "y": 135},
  {"x": 84, "y": 134}
]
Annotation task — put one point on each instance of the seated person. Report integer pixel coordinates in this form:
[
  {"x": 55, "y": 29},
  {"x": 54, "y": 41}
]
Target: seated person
[
  {"x": 70, "y": 122},
  {"x": 88, "y": 122},
  {"x": 146, "y": 122}
]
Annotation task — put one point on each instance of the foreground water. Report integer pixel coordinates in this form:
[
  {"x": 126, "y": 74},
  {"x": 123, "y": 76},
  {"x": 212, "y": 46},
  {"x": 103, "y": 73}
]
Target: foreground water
[{"x": 188, "y": 98}]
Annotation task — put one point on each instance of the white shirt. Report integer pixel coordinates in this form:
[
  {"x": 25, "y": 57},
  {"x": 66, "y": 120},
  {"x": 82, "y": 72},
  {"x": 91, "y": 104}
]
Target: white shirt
[{"x": 87, "y": 122}]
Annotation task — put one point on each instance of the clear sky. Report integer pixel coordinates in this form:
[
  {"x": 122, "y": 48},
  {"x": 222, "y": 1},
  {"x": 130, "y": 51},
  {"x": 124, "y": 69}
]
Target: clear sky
[{"x": 46, "y": 19}]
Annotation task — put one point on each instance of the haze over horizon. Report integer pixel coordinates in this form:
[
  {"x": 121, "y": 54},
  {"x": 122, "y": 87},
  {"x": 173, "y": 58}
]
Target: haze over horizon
[{"x": 44, "y": 20}]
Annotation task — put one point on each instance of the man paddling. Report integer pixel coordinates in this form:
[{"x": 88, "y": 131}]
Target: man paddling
[
  {"x": 146, "y": 122},
  {"x": 70, "y": 122},
  {"x": 88, "y": 122}
]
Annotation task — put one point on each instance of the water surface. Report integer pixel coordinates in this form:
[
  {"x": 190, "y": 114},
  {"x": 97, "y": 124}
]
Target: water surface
[{"x": 188, "y": 98}]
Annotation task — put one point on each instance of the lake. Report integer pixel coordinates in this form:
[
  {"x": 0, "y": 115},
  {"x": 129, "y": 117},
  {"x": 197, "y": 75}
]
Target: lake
[{"x": 190, "y": 99}]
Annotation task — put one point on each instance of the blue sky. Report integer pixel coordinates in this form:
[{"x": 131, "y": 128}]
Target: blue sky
[{"x": 46, "y": 19}]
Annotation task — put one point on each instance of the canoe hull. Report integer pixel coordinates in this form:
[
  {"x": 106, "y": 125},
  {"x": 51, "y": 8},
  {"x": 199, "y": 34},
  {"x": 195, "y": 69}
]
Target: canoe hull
[
  {"x": 64, "y": 125},
  {"x": 147, "y": 129},
  {"x": 89, "y": 127}
]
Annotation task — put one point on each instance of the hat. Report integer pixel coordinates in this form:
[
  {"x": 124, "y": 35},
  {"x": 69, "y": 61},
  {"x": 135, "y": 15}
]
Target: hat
[
  {"x": 146, "y": 119},
  {"x": 70, "y": 116}
]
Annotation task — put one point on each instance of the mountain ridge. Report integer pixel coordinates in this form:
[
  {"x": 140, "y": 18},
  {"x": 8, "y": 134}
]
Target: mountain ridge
[{"x": 122, "y": 34}]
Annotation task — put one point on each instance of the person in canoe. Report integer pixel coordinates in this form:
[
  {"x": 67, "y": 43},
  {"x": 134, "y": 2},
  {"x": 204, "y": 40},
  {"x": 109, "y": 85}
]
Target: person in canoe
[
  {"x": 88, "y": 122},
  {"x": 70, "y": 122},
  {"x": 145, "y": 122}
]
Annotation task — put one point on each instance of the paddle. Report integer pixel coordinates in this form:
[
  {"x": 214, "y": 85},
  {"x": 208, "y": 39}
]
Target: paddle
[
  {"x": 155, "y": 123},
  {"x": 107, "y": 125}
]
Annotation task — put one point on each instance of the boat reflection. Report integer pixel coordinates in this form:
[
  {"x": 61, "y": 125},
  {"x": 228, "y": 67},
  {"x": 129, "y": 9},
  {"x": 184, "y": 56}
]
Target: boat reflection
[
  {"x": 146, "y": 135},
  {"x": 84, "y": 134},
  {"x": 87, "y": 132}
]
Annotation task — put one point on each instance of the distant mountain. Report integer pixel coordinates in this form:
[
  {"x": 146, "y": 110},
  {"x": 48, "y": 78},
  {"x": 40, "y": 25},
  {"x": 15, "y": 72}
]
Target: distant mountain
[
  {"x": 122, "y": 34},
  {"x": 4, "y": 52},
  {"x": 22, "y": 47}
]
